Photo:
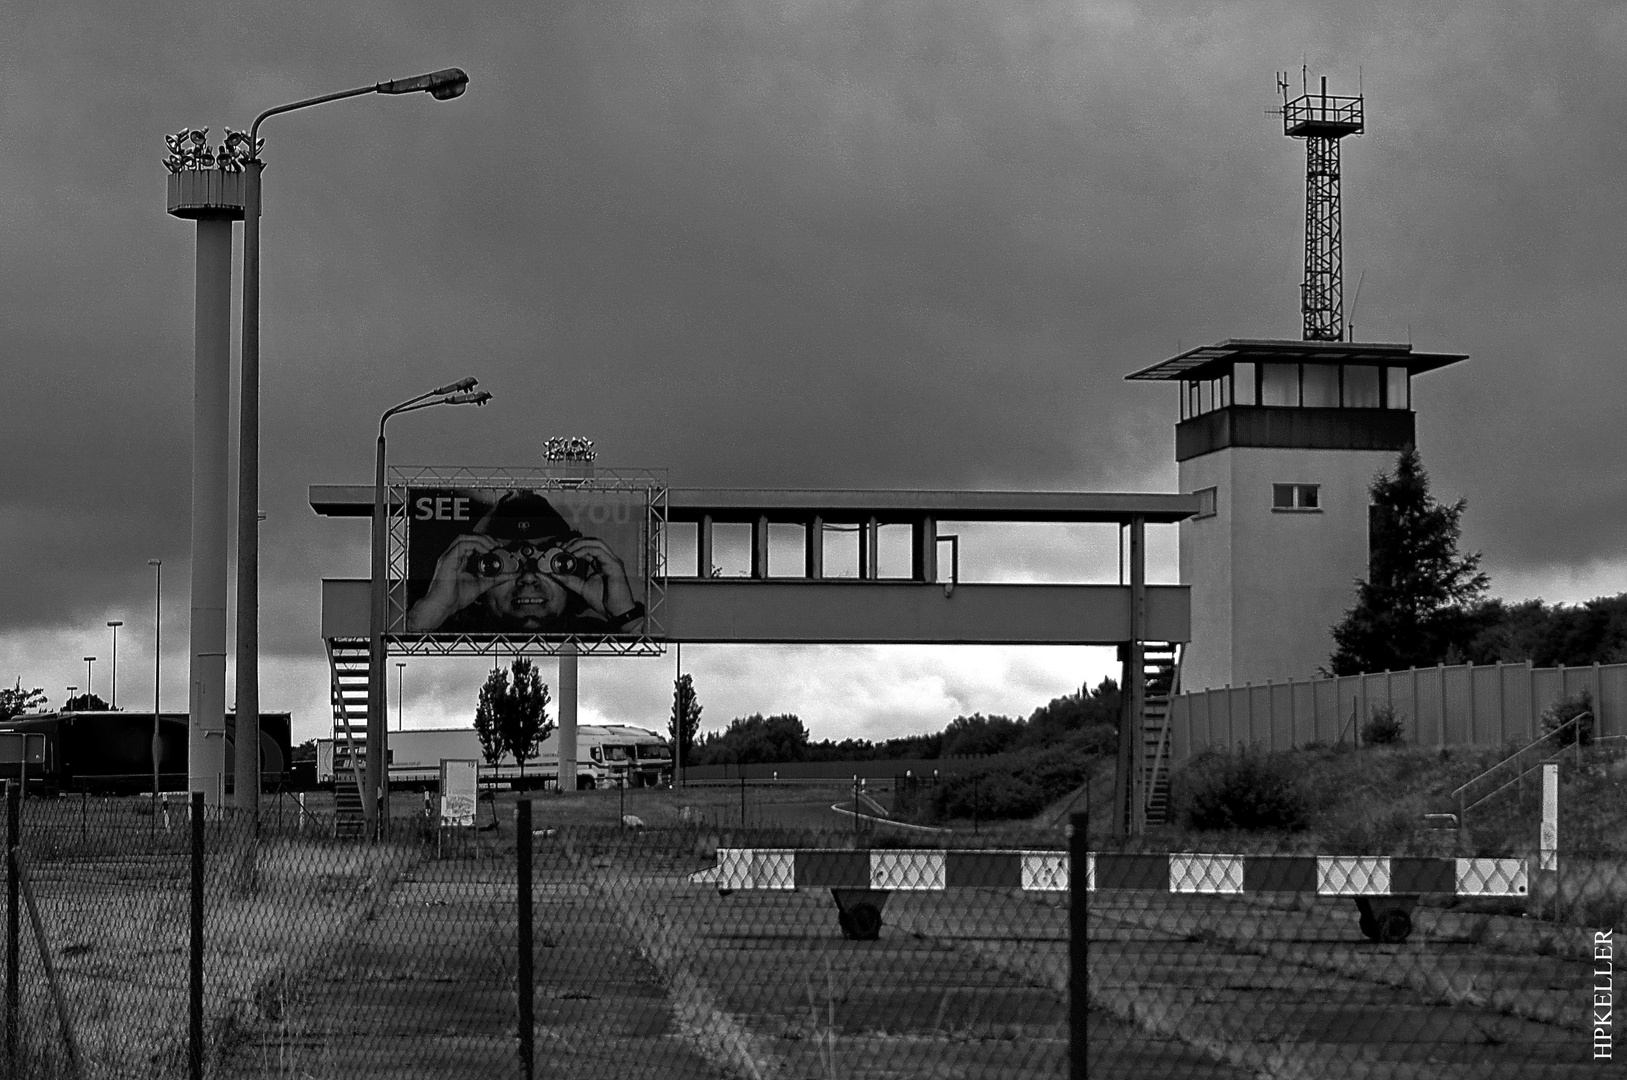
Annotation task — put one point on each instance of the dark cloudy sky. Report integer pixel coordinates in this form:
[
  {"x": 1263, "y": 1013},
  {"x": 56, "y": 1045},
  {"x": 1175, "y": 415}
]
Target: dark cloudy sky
[{"x": 834, "y": 244}]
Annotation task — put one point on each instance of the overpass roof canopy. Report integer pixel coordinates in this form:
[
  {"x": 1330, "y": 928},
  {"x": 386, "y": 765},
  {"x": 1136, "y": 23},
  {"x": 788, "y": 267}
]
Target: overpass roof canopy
[
  {"x": 794, "y": 504},
  {"x": 1211, "y": 361}
]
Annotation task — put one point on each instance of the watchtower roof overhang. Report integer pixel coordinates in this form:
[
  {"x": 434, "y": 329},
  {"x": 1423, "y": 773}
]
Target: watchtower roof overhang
[{"x": 1209, "y": 361}]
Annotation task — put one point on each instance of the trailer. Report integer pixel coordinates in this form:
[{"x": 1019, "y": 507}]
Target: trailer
[
  {"x": 607, "y": 755},
  {"x": 110, "y": 751}
]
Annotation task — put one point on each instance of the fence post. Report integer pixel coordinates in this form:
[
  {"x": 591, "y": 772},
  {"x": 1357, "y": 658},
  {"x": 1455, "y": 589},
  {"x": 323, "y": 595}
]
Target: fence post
[
  {"x": 1079, "y": 944},
  {"x": 14, "y": 799},
  {"x": 195, "y": 989},
  {"x": 522, "y": 851}
]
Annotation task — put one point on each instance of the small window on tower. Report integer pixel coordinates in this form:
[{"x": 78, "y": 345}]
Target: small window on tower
[
  {"x": 1206, "y": 502},
  {"x": 1296, "y": 497}
]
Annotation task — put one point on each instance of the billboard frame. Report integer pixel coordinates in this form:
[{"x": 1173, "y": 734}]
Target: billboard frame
[{"x": 565, "y": 476}]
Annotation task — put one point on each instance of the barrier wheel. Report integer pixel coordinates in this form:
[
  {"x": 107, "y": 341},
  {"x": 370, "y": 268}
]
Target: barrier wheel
[
  {"x": 585, "y": 783},
  {"x": 1393, "y": 927},
  {"x": 862, "y": 922},
  {"x": 1369, "y": 926}
]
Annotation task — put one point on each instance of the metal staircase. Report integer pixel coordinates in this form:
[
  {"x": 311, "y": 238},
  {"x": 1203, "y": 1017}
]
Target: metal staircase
[
  {"x": 1162, "y": 668},
  {"x": 348, "y": 663}
]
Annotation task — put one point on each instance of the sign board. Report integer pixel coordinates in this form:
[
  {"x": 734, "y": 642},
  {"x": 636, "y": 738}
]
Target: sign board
[
  {"x": 497, "y": 561},
  {"x": 20, "y": 746},
  {"x": 460, "y": 786},
  {"x": 1549, "y": 845}
]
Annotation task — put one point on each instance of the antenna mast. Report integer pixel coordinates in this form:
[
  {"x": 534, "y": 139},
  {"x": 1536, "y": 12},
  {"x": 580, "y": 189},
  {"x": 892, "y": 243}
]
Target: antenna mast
[{"x": 1321, "y": 119}]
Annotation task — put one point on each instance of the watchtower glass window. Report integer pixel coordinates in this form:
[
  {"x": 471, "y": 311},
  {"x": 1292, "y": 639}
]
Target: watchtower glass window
[{"x": 1310, "y": 386}]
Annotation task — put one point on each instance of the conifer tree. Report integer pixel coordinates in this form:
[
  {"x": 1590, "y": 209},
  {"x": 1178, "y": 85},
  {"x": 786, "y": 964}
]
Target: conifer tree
[{"x": 1413, "y": 599}]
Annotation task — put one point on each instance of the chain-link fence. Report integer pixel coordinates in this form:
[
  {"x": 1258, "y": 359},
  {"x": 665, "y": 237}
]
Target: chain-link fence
[{"x": 144, "y": 947}]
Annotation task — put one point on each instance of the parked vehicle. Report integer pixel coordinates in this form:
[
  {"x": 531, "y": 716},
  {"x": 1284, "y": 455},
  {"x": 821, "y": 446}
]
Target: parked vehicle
[
  {"x": 607, "y": 755},
  {"x": 110, "y": 752}
]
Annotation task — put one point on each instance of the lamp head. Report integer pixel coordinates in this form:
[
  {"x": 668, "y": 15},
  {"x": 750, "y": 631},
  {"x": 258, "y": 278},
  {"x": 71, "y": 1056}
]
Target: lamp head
[
  {"x": 462, "y": 384},
  {"x": 155, "y": 562},
  {"x": 115, "y": 622},
  {"x": 441, "y": 85},
  {"x": 477, "y": 397}
]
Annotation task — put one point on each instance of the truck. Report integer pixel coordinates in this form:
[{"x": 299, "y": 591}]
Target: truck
[
  {"x": 607, "y": 755},
  {"x": 110, "y": 752}
]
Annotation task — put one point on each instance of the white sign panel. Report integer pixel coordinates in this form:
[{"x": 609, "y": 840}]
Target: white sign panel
[
  {"x": 1550, "y": 818},
  {"x": 460, "y": 785}
]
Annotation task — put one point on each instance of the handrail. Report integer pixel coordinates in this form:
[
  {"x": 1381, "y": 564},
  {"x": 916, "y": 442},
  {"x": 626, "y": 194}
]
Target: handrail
[
  {"x": 344, "y": 715},
  {"x": 1163, "y": 734},
  {"x": 1459, "y": 793}
]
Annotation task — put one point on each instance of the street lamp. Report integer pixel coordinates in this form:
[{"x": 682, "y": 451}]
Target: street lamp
[
  {"x": 441, "y": 85},
  {"x": 158, "y": 661},
  {"x": 90, "y": 685},
  {"x": 400, "y": 695},
  {"x": 375, "y": 800},
  {"x": 69, "y": 705},
  {"x": 114, "y": 624}
]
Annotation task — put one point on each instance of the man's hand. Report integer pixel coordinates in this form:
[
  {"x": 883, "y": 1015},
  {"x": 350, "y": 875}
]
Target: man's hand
[
  {"x": 454, "y": 587},
  {"x": 604, "y": 587}
]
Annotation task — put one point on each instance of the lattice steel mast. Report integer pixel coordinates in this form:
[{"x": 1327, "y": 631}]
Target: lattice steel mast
[{"x": 1321, "y": 120}]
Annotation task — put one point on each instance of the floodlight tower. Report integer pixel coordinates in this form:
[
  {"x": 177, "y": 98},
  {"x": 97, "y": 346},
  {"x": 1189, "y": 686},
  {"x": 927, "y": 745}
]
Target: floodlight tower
[
  {"x": 1321, "y": 120},
  {"x": 572, "y": 456}
]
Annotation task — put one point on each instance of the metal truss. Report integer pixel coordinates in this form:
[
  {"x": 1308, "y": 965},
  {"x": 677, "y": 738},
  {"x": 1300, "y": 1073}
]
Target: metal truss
[
  {"x": 565, "y": 476},
  {"x": 1322, "y": 294}
]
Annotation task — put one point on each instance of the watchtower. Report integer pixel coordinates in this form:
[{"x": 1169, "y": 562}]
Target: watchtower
[{"x": 1280, "y": 441}]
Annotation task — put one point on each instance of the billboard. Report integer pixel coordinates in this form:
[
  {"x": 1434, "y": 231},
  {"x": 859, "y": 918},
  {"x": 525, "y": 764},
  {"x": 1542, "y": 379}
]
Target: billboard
[{"x": 536, "y": 562}]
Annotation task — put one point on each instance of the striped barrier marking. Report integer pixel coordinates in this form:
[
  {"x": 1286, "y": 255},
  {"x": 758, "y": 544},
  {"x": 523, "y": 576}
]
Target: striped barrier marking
[
  {"x": 932, "y": 870},
  {"x": 1206, "y": 873}
]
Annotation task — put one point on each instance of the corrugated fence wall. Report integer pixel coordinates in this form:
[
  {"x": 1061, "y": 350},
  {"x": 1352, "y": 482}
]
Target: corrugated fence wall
[{"x": 1461, "y": 705}]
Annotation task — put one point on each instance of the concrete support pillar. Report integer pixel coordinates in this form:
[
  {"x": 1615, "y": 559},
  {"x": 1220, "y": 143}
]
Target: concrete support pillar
[
  {"x": 869, "y": 535},
  {"x": 1127, "y": 777},
  {"x": 924, "y": 550},
  {"x": 703, "y": 546},
  {"x": 759, "y": 548},
  {"x": 206, "y": 742},
  {"x": 566, "y": 701},
  {"x": 813, "y": 549}
]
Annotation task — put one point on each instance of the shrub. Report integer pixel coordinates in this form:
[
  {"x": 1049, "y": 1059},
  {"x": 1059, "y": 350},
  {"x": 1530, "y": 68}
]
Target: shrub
[
  {"x": 1563, "y": 711},
  {"x": 1383, "y": 727},
  {"x": 1245, "y": 791},
  {"x": 1015, "y": 790}
]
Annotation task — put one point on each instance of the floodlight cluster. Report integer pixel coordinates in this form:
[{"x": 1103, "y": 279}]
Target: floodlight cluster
[
  {"x": 569, "y": 448},
  {"x": 189, "y": 150}
]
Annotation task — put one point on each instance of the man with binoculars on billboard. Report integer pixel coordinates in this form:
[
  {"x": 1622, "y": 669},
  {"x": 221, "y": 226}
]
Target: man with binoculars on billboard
[{"x": 523, "y": 568}]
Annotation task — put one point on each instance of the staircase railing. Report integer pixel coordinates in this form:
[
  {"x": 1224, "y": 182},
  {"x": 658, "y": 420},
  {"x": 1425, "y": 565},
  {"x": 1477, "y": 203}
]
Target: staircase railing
[
  {"x": 1516, "y": 762},
  {"x": 344, "y": 717},
  {"x": 1159, "y": 760}
]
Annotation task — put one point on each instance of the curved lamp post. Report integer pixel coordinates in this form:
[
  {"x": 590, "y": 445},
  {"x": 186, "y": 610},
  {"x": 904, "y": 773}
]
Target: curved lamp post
[
  {"x": 442, "y": 85},
  {"x": 376, "y": 799}
]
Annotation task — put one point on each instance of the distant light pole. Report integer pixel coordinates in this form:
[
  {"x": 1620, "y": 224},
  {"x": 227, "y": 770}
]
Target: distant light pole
[
  {"x": 441, "y": 85},
  {"x": 69, "y": 705},
  {"x": 115, "y": 624},
  {"x": 158, "y": 660},
  {"x": 400, "y": 695},
  {"x": 375, "y": 800},
  {"x": 90, "y": 686}
]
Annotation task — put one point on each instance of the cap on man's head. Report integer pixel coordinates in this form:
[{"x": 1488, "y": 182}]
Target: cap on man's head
[{"x": 524, "y": 515}]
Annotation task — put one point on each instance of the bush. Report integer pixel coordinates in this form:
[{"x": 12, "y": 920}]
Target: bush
[
  {"x": 1015, "y": 790},
  {"x": 1383, "y": 727},
  {"x": 1565, "y": 710},
  {"x": 1244, "y": 791}
]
